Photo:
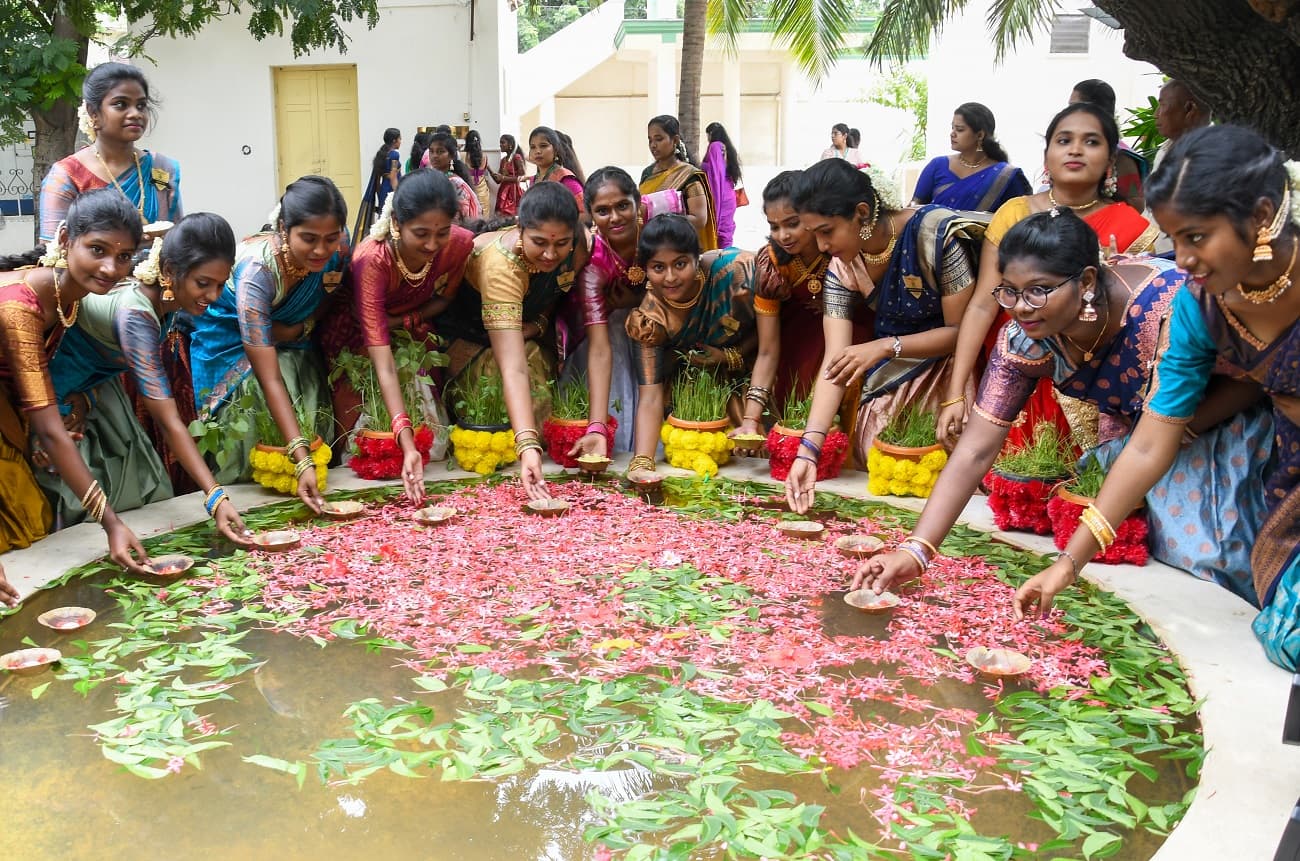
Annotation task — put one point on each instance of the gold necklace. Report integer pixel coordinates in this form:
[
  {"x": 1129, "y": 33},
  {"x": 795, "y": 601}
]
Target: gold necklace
[
  {"x": 412, "y": 277},
  {"x": 58, "y": 304},
  {"x": 519, "y": 259},
  {"x": 1240, "y": 327},
  {"x": 883, "y": 257},
  {"x": 289, "y": 270},
  {"x": 1277, "y": 288},
  {"x": 1088, "y": 353},
  {"x": 686, "y": 306},
  {"x": 139, "y": 172},
  {"x": 1052, "y": 199},
  {"x": 970, "y": 164},
  {"x": 808, "y": 274},
  {"x": 634, "y": 274}
]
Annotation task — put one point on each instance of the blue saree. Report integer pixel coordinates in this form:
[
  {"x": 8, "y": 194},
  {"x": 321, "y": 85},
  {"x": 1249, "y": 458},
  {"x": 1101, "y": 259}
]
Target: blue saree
[{"x": 982, "y": 191}]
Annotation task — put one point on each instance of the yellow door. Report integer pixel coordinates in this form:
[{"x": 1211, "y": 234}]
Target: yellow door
[{"x": 316, "y": 127}]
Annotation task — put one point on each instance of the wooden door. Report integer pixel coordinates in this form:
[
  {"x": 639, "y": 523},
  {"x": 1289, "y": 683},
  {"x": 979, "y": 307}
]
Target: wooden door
[{"x": 316, "y": 127}]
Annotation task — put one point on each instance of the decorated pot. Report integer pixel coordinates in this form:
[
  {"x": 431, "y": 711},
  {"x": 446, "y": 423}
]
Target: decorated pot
[
  {"x": 903, "y": 471},
  {"x": 698, "y": 446},
  {"x": 1130, "y": 545},
  {"x": 1019, "y": 502},
  {"x": 274, "y": 470},
  {"x": 482, "y": 448},
  {"x": 559, "y": 435},
  {"x": 783, "y": 447}
]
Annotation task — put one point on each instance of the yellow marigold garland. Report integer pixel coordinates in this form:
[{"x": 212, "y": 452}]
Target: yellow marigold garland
[
  {"x": 274, "y": 470},
  {"x": 892, "y": 476},
  {"x": 482, "y": 452},
  {"x": 702, "y": 452}
]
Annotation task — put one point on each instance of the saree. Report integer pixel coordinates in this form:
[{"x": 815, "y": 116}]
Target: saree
[
  {"x": 693, "y": 185},
  {"x": 982, "y": 191},
  {"x": 722, "y": 316},
  {"x": 69, "y": 178},
  {"x": 935, "y": 257},
  {"x": 25, "y": 348},
  {"x": 1204, "y": 512},
  {"x": 508, "y": 193},
  {"x": 1203, "y": 334},
  {"x": 723, "y": 192},
  {"x": 115, "y": 333}
]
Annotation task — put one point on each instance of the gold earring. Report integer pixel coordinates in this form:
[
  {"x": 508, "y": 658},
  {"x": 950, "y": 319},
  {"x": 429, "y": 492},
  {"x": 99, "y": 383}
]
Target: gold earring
[
  {"x": 1263, "y": 250},
  {"x": 1266, "y": 235},
  {"x": 165, "y": 282},
  {"x": 61, "y": 262},
  {"x": 865, "y": 231},
  {"x": 1088, "y": 313}
]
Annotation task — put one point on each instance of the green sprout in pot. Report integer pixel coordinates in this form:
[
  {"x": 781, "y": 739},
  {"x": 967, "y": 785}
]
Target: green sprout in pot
[
  {"x": 481, "y": 403},
  {"x": 1089, "y": 479},
  {"x": 913, "y": 427},
  {"x": 412, "y": 359},
  {"x": 699, "y": 396},
  {"x": 570, "y": 399},
  {"x": 1047, "y": 455}
]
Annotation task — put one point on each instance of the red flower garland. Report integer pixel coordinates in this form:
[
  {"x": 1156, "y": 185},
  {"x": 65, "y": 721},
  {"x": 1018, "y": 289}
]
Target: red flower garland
[
  {"x": 560, "y": 438},
  {"x": 1020, "y": 503},
  {"x": 1130, "y": 536},
  {"x": 782, "y": 449},
  {"x": 380, "y": 458}
]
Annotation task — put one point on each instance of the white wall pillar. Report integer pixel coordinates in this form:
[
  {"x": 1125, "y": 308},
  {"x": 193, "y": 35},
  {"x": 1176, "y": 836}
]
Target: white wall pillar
[
  {"x": 546, "y": 113},
  {"x": 731, "y": 92},
  {"x": 789, "y": 150}
]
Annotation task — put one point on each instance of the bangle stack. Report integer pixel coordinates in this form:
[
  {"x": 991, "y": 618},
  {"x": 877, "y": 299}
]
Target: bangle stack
[
  {"x": 1098, "y": 525},
  {"x": 734, "y": 360},
  {"x": 805, "y": 443},
  {"x": 527, "y": 440},
  {"x": 215, "y": 498},
  {"x": 642, "y": 461},
  {"x": 760, "y": 395},
  {"x": 921, "y": 551},
  {"x": 596, "y": 428},
  {"x": 401, "y": 422},
  {"x": 95, "y": 501},
  {"x": 302, "y": 467},
  {"x": 297, "y": 443},
  {"x": 898, "y": 347}
]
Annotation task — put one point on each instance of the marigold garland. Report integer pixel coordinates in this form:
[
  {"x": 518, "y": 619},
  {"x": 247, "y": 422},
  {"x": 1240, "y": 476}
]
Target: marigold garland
[
  {"x": 782, "y": 449},
  {"x": 895, "y": 476},
  {"x": 274, "y": 470},
  {"x": 482, "y": 451},
  {"x": 702, "y": 452},
  {"x": 559, "y": 438},
  {"x": 1020, "y": 503},
  {"x": 380, "y": 458},
  {"x": 1130, "y": 536}
]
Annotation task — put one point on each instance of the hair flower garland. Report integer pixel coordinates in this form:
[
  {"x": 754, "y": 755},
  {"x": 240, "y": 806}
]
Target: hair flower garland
[
  {"x": 1293, "y": 179},
  {"x": 85, "y": 123},
  {"x": 147, "y": 271},
  {"x": 379, "y": 232},
  {"x": 886, "y": 187}
]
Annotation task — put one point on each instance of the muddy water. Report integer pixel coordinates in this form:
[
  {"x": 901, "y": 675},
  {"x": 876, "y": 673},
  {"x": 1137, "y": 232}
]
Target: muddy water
[{"x": 60, "y": 798}]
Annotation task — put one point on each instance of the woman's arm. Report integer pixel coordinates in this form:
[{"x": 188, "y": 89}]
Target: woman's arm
[
  {"x": 391, "y": 391},
  {"x": 266, "y": 367},
  {"x": 1224, "y": 398},
  {"x": 649, "y": 417},
  {"x": 980, "y": 314},
  {"x": 8, "y": 594},
  {"x": 764, "y": 373},
  {"x": 827, "y": 394},
  {"x": 696, "y": 205},
  {"x": 508, "y": 348},
  {"x": 600, "y": 371}
]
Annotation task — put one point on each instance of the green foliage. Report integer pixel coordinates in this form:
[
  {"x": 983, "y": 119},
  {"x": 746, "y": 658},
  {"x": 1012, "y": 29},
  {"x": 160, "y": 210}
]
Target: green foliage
[
  {"x": 905, "y": 27},
  {"x": 1089, "y": 479},
  {"x": 903, "y": 89},
  {"x": 798, "y": 406},
  {"x": 413, "y": 361},
  {"x": 570, "y": 399},
  {"x": 913, "y": 427},
  {"x": 222, "y": 435},
  {"x": 699, "y": 396},
  {"x": 1142, "y": 132},
  {"x": 481, "y": 401},
  {"x": 1048, "y": 454}
]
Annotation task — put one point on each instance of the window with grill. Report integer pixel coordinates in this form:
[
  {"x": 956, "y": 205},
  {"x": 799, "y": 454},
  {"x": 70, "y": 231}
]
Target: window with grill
[{"x": 1070, "y": 34}]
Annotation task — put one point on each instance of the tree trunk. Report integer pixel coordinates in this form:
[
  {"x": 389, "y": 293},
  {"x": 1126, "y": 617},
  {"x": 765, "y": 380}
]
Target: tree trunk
[
  {"x": 694, "y": 26},
  {"x": 1244, "y": 67},
  {"x": 56, "y": 129}
]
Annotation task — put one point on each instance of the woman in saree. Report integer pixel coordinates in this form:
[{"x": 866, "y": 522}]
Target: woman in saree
[
  {"x": 91, "y": 251},
  {"x": 477, "y": 163},
  {"x": 403, "y": 276},
  {"x": 978, "y": 177},
  {"x": 1130, "y": 168},
  {"x": 697, "y": 305},
  {"x": 444, "y": 156},
  {"x": 125, "y": 331},
  {"x": 552, "y": 154},
  {"x": 115, "y": 113},
  {"x": 1080, "y": 155},
  {"x": 791, "y": 272},
  {"x": 509, "y": 177},
  {"x": 501, "y": 324},
  {"x": 721, "y": 166},
  {"x": 261, "y": 327},
  {"x": 1053, "y": 284},
  {"x": 914, "y": 267},
  {"x": 1228, "y": 200},
  {"x": 673, "y": 170}
]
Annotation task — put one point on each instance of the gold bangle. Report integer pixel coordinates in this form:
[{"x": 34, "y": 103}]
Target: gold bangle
[
  {"x": 934, "y": 551},
  {"x": 1097, "y": 524},
  {"x": 1101, "y": 521},
  {"x": 90, "y": 492},
  {"x": 641, "y": 461},
  {"x": 955, "y": 400}
]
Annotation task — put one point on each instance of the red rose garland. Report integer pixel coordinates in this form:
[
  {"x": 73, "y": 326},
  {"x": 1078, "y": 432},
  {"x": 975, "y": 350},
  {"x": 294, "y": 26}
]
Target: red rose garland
[
  {"x": 1020, "y": 503},
  {"x": 560, "y": 438},
  {"x": 782, "y": 449},
  {"x": 1130, "y": 536},
  {"x": 380, "y": 458}
]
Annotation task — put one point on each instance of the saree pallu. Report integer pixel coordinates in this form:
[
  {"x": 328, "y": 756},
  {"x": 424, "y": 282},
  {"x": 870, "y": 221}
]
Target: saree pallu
[
  {"x": 623, "y": 389},
  {"x": 508, "y": 193},
  {"x": 120, "y": 457},
  {"x": 982, "y": 191},
  {"x": 69, "y": 178},
  {"x": 694, "y": 186},
  {"x": 25, "y": 514},
  {"x": 714, "y": 167}
]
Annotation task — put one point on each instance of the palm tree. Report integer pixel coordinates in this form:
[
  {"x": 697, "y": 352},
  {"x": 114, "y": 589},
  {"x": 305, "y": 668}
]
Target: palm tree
[{"x": 1244, "y": 61}]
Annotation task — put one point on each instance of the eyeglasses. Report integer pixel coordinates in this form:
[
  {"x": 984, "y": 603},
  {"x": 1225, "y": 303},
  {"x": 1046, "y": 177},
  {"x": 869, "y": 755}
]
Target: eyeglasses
[{"x": 1035, "y": 296}]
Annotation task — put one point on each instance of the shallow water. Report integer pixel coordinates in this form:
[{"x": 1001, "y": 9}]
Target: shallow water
[{"x": 62, "y": 798}]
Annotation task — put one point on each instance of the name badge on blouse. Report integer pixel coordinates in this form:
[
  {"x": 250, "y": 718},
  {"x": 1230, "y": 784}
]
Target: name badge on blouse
[
  {"x": 565, "y": 280},
  {"x": 914, "y": 285},
  {"x": 731, "y": 324},
  {"x": 161, "y": 177},
  {"x": 332, "y": 279}
]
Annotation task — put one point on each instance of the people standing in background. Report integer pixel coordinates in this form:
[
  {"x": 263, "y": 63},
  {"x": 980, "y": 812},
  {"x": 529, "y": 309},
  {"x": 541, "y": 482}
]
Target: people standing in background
[
  {"x": 444, "y": 156},
  {"x": 387, "y": 166},
  {"x": 478, "y": 170},
  {"x": 721, "y": 166},
  {"x": 417, "y": 151},
  {"x": 509, "y": 177},
  {"x": 1130, "y": 168},
  {"x": 978, "y": 178},
  {"x": 672, "y": 169},
  {"x": 844, "y": 144},
  {"x": 115, "y": 113},
  {"x": 551, "y": 152},
  {"x": 1177, "y": 113}
]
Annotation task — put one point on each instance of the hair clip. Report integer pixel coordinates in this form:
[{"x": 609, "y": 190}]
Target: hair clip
[{"x": 1055, "y": 211}]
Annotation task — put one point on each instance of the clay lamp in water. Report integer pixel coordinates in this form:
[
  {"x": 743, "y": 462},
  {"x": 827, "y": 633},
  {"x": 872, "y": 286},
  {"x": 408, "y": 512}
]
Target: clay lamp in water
[
  {"x": 277, "y": 540},
  {"x": 858, "y": 546},
  {"x": 171, "y": 566},
  {"x": 546, "y": 507},
  {"x": 67, "y": 618},
  {"x": 434, "y": 515},
  {"x": 749, "y": 443},
  {"x": 29, "y": 662},
  {"x": 593, "y": 464},
  {"x": 645, "y": 481},
  {"x": 869, "y": 602},
  {"x": 998, "y": 664},
  {"x": 343, "y": 510},
  {"x": 804, "y": 529}
]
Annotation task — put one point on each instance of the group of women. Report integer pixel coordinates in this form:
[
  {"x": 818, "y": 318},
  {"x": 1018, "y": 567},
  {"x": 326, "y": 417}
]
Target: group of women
[{"x": 1184, "y": 376}]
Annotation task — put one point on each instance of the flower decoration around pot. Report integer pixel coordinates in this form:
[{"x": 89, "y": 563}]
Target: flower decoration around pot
[
  {"x": 1130, "y": 546},
  {"x": 570, "y": 409},
  {"x": 1023, "y": 479},
  {"x": 482, "y": 440},
  {"x": 695, "y": 434},
  {"x": 783, "y": 442},
  {"x": 905, "y": 458}
]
